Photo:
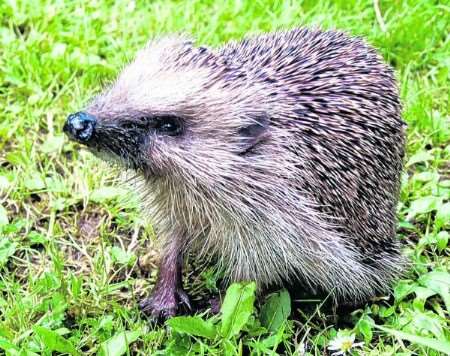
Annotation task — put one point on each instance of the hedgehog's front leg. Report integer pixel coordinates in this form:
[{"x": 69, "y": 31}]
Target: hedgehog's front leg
[{"x": 168, "y": 293}]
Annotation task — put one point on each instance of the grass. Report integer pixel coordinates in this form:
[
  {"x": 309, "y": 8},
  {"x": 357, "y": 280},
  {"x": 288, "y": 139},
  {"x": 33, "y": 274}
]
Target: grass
[{"x": 75, "y": 255}]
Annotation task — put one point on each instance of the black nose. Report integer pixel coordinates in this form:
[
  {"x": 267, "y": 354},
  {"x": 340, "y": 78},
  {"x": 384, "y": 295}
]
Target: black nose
[{"x": 80, "y": 126}]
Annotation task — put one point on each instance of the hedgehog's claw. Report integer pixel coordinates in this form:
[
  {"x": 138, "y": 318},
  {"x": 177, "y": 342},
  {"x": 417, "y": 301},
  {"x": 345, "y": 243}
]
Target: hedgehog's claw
[
  {"x": 158, "y": 310},
  {"x": 215, "y": 304},
  {"x": 183, "y": 299},
  {"x": 164, "y": 304}
]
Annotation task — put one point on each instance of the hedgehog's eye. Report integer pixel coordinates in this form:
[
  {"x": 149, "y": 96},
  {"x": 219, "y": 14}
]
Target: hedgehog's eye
[
  {"x": 169, "y": 125},
  {"x": 133, "y": 125},
  {"x": 128, "y": 125}
]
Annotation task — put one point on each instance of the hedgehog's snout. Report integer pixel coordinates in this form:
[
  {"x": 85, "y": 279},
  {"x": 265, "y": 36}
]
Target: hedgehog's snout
[{"x": 80, "y": 126}]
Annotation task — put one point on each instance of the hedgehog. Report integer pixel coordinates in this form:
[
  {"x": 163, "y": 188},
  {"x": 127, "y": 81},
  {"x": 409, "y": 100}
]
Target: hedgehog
[{"x": 277, "y": 157}]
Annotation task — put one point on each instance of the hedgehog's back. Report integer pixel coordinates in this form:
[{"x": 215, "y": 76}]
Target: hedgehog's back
[
  {"x": 340, "y": 101},
  {"x": 286, "y": 51}
]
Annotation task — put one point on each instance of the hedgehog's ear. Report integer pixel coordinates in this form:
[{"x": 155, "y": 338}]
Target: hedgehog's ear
[
  {"x": 170, "y": 42},
  {"x": 168, "y": 46},
  {"x": 253, "y": 132}
]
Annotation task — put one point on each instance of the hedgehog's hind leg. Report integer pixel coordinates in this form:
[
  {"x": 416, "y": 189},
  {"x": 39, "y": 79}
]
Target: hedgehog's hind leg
[{"x": 168, "y": 293}]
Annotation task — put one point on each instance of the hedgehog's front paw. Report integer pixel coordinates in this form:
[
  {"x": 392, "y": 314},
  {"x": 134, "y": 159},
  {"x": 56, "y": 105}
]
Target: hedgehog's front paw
[
  {"x": 214, "y": 305},
  {"x": 158, "y": 310},
  {"x": 164, "y": 303}
]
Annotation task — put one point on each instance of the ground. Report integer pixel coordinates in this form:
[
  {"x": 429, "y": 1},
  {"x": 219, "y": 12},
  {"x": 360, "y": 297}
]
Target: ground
[{"x": 76, "y": 256}]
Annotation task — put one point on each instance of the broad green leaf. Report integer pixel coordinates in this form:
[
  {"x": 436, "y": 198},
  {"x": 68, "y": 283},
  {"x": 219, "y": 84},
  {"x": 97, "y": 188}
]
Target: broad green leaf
[
  {"x": 3, "y": 216},
  {"x": 423, "y": 205},
  {"x": 58, "y": 50},
  {"x": 107, "y": 193},
  {"x": 118, "y": 344},
  {"x": 48, "y": 281},
  {"x": 7, "y": 346},
  {"x": 444, "y": 183},
  {"x": 25, "y": 353},
  {"x": 426, "y": 176},
  {"x": 52, "y": 144},
  {"x": 427, "y": 322},
  {"x": 442, "y": 240},
  {"x": 34, "y": 183},
  {"x": 18, "y": 158},
  {"x": 276, "y": 310},
  {"x": 237, "y": 307},
  {"x": 230, "y": 348},
  {"x": 54, "y": 184},
  {"x": 443, "y": 215},
  {"x": 121, "y": 256},
  {"x": 36, "y": 238},
  {"x": 403, "y": 288},
  {"x": 274, "y": 340},
  {"x": 106, "y": 322},
  {"x": 266, "y": 346},
  {"x": 7, "y": 249},
  {"x": 406, "y": 225},
  {"x": 53, "y": 341},
  {"x": 439, "y": 282},
  {"x": 438, "y": 345},
  {"x": 386, "y": 312},
  {"x": 5, "y": 331},
  {"x": 364, "y": 326},
  {"x": 4, "y": 183},
  {"x": 58, "y": 204},
  {"x": 422, "y": 156},
  {"x": 424, "y": 293},
  {"x": 178, "y": 345},
  {"x": 193, "y": 325}
]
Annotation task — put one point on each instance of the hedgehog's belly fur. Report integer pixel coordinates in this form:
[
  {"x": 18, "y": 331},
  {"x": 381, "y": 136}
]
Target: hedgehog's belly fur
[{"x": 280, "y": 248}]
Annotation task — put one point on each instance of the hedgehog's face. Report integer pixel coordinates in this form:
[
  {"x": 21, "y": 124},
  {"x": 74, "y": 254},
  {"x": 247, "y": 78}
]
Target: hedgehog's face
[{"x": 171, "y": 110}]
